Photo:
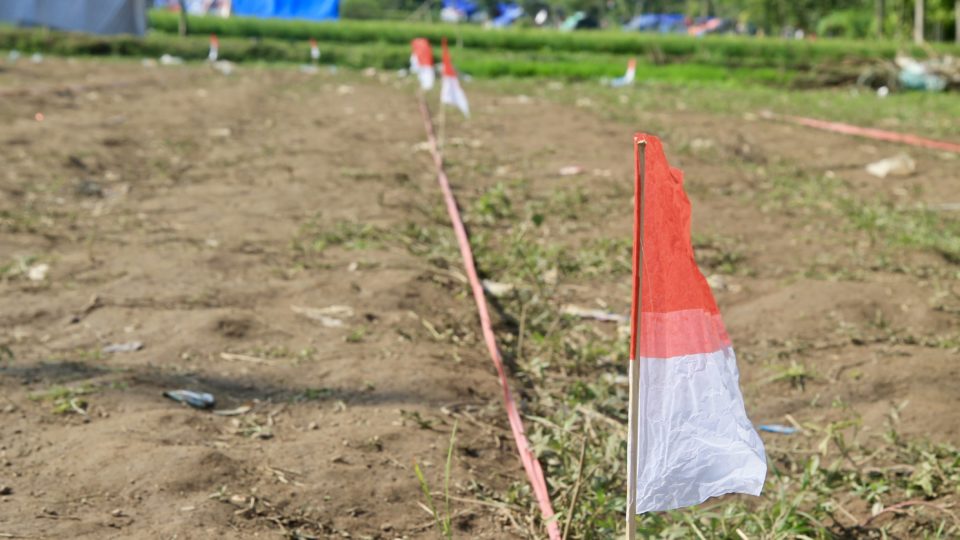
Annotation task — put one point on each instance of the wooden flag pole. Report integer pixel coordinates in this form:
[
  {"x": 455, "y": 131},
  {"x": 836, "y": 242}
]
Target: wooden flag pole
[
  {"x": 634, "y": 369},
  {"x": 443, "y": 124}
]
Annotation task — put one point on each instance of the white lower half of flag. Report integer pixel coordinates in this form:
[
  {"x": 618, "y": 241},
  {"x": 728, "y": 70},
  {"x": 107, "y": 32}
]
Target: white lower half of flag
[
  {"x": 452, "y": 94},
  {"x": 694, "y": 438}
]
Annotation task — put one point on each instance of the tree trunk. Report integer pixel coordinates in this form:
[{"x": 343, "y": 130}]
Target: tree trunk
[
  {"x": 918, "y": 21},
  {"x": 956, "y": 21},
  {"x": 881, "y": 16},
  {"x": 183, "y": 18}
]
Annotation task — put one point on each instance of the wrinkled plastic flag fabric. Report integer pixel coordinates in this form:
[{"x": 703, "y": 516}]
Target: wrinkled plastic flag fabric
[
  {"x": 421, "y": 62},
  {"x": 451, "y": 93},
  {"x": 628, "y": 77},
  {"x": 694, "y": 439},
  {"x": 214, "y": 48}
]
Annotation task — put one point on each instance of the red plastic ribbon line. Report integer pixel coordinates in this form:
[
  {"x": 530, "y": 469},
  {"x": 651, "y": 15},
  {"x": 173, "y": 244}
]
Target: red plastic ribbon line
[
  {"x": 872, "y": 133},
  {"x": 530, "y": 463}
]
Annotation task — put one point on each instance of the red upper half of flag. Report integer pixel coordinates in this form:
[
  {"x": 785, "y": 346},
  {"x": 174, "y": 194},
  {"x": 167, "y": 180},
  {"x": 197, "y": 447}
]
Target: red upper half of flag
[
  {"x": 214, "y": 42},
  {"x": 678, "y": 312},
  {"x": 421, "y": 50},
  {"x": 313, "y": 42},
  {"x": 448, "y": 70},
  {"x": 632, "y": 64}
]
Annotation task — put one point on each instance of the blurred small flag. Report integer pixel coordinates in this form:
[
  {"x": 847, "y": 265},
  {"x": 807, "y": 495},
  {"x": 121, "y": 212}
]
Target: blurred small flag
[
  {"x": 694, "y": 440},
  {"x": 214, "y": 48},
  {"x": 314, "y": 50},
  {"x": 421, "y": 62},
  {"x": 628, "y": 77},
  {"x": 450, "y": 91}
]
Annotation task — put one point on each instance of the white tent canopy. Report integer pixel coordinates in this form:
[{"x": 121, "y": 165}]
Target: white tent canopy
[{"x": 93, "y": 16}]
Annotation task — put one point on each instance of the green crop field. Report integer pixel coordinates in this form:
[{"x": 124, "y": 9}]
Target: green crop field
[{"x": 488, "y": 53}]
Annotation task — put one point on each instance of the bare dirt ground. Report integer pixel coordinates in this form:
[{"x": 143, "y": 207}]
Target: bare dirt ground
[{"x": 211, "y": 217}]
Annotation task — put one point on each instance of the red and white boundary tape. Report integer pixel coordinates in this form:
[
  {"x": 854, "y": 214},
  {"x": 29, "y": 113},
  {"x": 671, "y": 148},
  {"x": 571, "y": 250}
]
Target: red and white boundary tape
[
  {"x": 871, "y": 133},
  {"x": 530, "y": 463}
]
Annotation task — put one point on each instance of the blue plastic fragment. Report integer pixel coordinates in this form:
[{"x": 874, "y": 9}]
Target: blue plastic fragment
[
  {"x": 198, "y": 400},
  {"x": 778, "y": 428}
]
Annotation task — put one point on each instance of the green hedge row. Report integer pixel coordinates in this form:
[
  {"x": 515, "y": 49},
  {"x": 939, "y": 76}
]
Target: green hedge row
[
  {"x": 478, "y": 63},
  {"x": 717, "y": 50}
]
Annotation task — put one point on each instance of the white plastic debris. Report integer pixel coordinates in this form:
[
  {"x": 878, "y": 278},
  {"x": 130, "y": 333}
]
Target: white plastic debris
[
  {"x": 38, "y": 272},
  {"x": 596, "y": 314},
  {"x": 168, "y": 60},
  {"x": 497, "y": 289},
  {"x": 699, "y": 145},
  {"x": 130, "y": 346},
  {"x": 898, "y": 165},
  {"x": 326, "y": 316},
  {"x": 225, "y": 67},
  {"x": 220, "y": 133}
]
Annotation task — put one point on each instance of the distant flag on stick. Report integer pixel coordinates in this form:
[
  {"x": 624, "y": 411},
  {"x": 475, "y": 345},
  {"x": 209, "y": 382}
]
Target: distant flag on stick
[
  {"x": 450, "y": 91},
  {"x": 214, "y": 48},
  {"x": 314, "y": 51},
  {"x": 690, "y": 436},
  {"x": 628, "y": 77},
  {"x": 421, "y": 62}
]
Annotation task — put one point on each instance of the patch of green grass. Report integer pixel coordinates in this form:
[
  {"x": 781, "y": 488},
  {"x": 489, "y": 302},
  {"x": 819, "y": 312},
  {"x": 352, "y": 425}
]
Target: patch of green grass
[
  {"x": 66, "y": 399},
  {"x": 356, "y": 335},
  {"x": 606, "y": 256},
  {"x": 443, "y": 520},
  {"x": 719, "y": 254},
  {"x": 19, "y": 220},
  {"x": 567, "y": 204},
  {"x": 912, "y": 227},
  {"x": 314, "y": 394},
  {"x": 928, "y": 114},
  {"x": 493, "y": 204},
  {"x": 314, "y": 237},
  {"x": 796, "y": 374}
]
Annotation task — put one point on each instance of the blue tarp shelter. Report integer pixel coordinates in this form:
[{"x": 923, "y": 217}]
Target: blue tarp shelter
[
  {"x": 508, "y": 14},
  {"x": 465, "y": 6},
  {"x": 657, "y": 22},
  {"x": 318, "y": 10},
  {"x": 93, "y": 16}
]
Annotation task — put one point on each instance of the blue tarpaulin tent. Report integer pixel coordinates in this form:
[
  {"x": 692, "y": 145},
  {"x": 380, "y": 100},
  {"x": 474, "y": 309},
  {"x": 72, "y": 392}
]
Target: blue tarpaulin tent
[
  {"x": 659, "y": 22},
  {"x": 508, "y": 14},
  {"x": 288, "y": 9},
  {"x": 94, "y": 16},
  {"x": 466, "y": 6}
]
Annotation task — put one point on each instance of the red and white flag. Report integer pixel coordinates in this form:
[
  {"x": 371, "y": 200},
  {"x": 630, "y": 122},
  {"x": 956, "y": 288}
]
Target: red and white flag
[
  {"x": 628, "y": 77},
  {"x": 214, "y": 48},
  {"x": 450, "y": 91},
  {"x": 693, "y": 440},
  {"x": 314, "y": 50},
  {"x": 421, "y": 62}
]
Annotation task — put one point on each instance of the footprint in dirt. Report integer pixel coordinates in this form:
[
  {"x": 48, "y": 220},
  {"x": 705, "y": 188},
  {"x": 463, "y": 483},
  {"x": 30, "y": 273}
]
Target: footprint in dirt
[{"x": 233, "y": 327}]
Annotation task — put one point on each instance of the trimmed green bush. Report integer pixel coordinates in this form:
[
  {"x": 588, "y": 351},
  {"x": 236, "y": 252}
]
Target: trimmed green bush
[
  {"x": 479, "y": 63},
  {"x": 731, "y": 51}
]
